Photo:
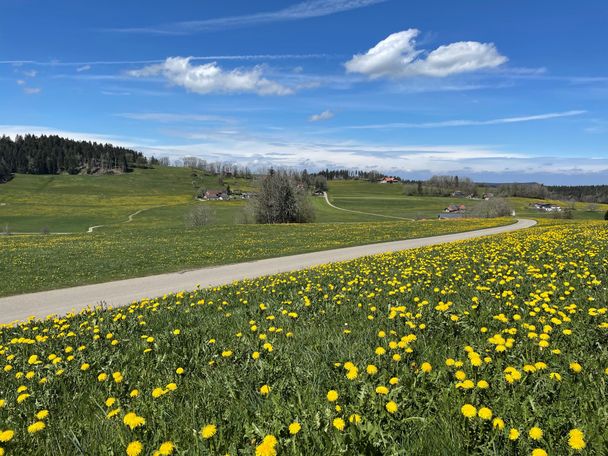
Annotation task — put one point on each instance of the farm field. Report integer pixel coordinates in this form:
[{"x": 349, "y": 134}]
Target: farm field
[
  {"x": 492, "y": 346},
  {"x": 39, "y": 262},
  {"x": 64, "y": 203},
  {"x": 388, "y": 199}
]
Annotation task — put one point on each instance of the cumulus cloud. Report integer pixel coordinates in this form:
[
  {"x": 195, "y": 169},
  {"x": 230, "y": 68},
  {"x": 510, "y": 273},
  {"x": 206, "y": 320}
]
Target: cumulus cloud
[
  {"x": 397, "y": 57},
  {"x": 325, "y": 115},
  {"x": 211, "y": 78}
]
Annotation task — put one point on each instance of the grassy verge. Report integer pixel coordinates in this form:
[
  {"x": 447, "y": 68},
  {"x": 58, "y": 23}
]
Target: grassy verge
[
  {"x": 34, "y": 263},
  {"x": 491, "y": 347}
]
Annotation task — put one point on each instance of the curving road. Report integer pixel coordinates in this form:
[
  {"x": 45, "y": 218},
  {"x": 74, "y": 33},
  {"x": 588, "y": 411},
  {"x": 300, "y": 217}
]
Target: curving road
[
  {"x": 364, "y": 213},
  {"x": 124, "y": 292}
]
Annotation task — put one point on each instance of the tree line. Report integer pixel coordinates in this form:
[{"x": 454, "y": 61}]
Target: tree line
[{"x": 30, "y": 154}]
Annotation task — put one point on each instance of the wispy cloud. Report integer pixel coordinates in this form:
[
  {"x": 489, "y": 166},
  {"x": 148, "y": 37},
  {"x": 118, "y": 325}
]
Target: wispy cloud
[
  {"x": 87, "y": 65},
  {"x": 165, "y": 117},
  {"x": 32, "y": 90},
  {"x": 304, "y": 10},
  {"x": 468, "y": 123},
  {"x": 119, "y": 140},
  {"x": 325, "y": 115}
]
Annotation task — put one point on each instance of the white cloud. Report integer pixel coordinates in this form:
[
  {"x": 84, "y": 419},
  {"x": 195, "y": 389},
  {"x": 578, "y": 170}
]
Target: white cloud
[
  {"x": 117, "y": 140},
  {"x": 165, "y": 117},
  {"x": 20, "y": 82},
  {"x": 257, "y": 151},
  {"x": 83, "y": 68},
  {"x": 30, "y": 73},
  {"x": 211, "y": 78},
  {"x": 304, "y": 10},
  {"x": 397, "y": 57},
  {"x": 468, "y": 123},
  {"x": 32, "y": 90},
  {"x": 325, "y": 115}
]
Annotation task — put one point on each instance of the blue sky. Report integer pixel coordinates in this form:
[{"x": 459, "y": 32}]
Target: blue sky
[{"x": 494, "y": 90}]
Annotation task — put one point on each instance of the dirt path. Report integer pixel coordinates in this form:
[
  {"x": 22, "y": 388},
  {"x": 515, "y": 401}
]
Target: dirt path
[
  {"x": 124, "y": 292},
  {"x": 129, "y": 219},
  {"x": 364, "y": 213}
]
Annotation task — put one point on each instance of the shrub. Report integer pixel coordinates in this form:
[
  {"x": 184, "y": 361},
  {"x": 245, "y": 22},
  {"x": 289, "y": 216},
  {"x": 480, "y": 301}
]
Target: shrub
[
  {"x": 281, "y": 200},
  {"x": 200, "y": 215},
  {"x": 494, "y": 207}
]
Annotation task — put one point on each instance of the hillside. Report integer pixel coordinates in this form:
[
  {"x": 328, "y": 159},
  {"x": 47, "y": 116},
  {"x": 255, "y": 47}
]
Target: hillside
[{"x": 31, "y": 154}]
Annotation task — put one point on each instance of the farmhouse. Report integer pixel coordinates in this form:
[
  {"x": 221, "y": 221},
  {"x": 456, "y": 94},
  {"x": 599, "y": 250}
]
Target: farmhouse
[
  {"x": 455, "y": 208},
  {"x": 216, "y": 195},
  {"x": 547, "y": 207},
  {"x": 389, "y": 180}
]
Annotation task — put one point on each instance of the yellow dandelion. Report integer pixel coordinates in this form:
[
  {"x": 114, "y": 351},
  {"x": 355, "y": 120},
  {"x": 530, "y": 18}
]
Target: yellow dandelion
[
  {"x": 134, "y": 448},
  {"x": 513, "y": 434},
  {"x": 576, "y": 439},
  {"x": 339, "y": 424},
  {"x": 294, "y": 428},
  {"x": 36, "y": 427},
  {"x": 166, "y": 448},
  {"x": 265, "y": 390},
  {"x": 468, "y": 411},
  {"x": 332, "y": 395},
  {"x": 536, "y": 433},
  {"x": 208, "y": 431},
  {"x": 391, "y": 407},
  {"x": 485, "y": 413}
]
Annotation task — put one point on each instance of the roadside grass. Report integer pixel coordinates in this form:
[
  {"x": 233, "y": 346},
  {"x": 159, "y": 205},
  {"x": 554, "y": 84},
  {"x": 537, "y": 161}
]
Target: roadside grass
[
  {"x": 36, "y": 262},
  {"x": 405, "y": 340}
]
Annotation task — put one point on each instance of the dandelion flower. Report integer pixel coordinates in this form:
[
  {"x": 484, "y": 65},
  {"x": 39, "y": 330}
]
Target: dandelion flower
[
  {"x": 468, "y": 411},
  {"x": 332, "y": 395},
  {"x": 576, "y": 439},
  {"x": 133, "y": 421},
  {"x": 42, "y": 414},
  {"x": 539, "y": 452},
  {"x": 208, "y": 431},
  {"x": 513, "y": 434},
  {"x": 339, "y": 424},
  {"x": 354, "y": 418},
  {"x": 166, "y": 449},
  {"x": 294, "y": 428},
  {"x": 36, "y": 427},
  {"x": 391, "y": 407},
  {"x": 265, "y": 390},
  {"x": 134, "y": 448},
  {"x": 382, "y": 390},
  {"x": 485, "y": 413},
  {"x": 267, "y": 447},
  {"x": 498, "y": 423},
  {"x": 536, "y": 433},
  {"x": 6, "y": 436},
  {"x": 426, "y": 368},
  {"x": 575, "y": 367}
]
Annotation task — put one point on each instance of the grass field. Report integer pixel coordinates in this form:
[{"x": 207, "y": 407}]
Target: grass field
[
  {"x": 388, "y": 199},
  {"x": 493, "y": 346},
  {"x": 65, "y": 203},
  {"x": 37, "y": 262}
]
